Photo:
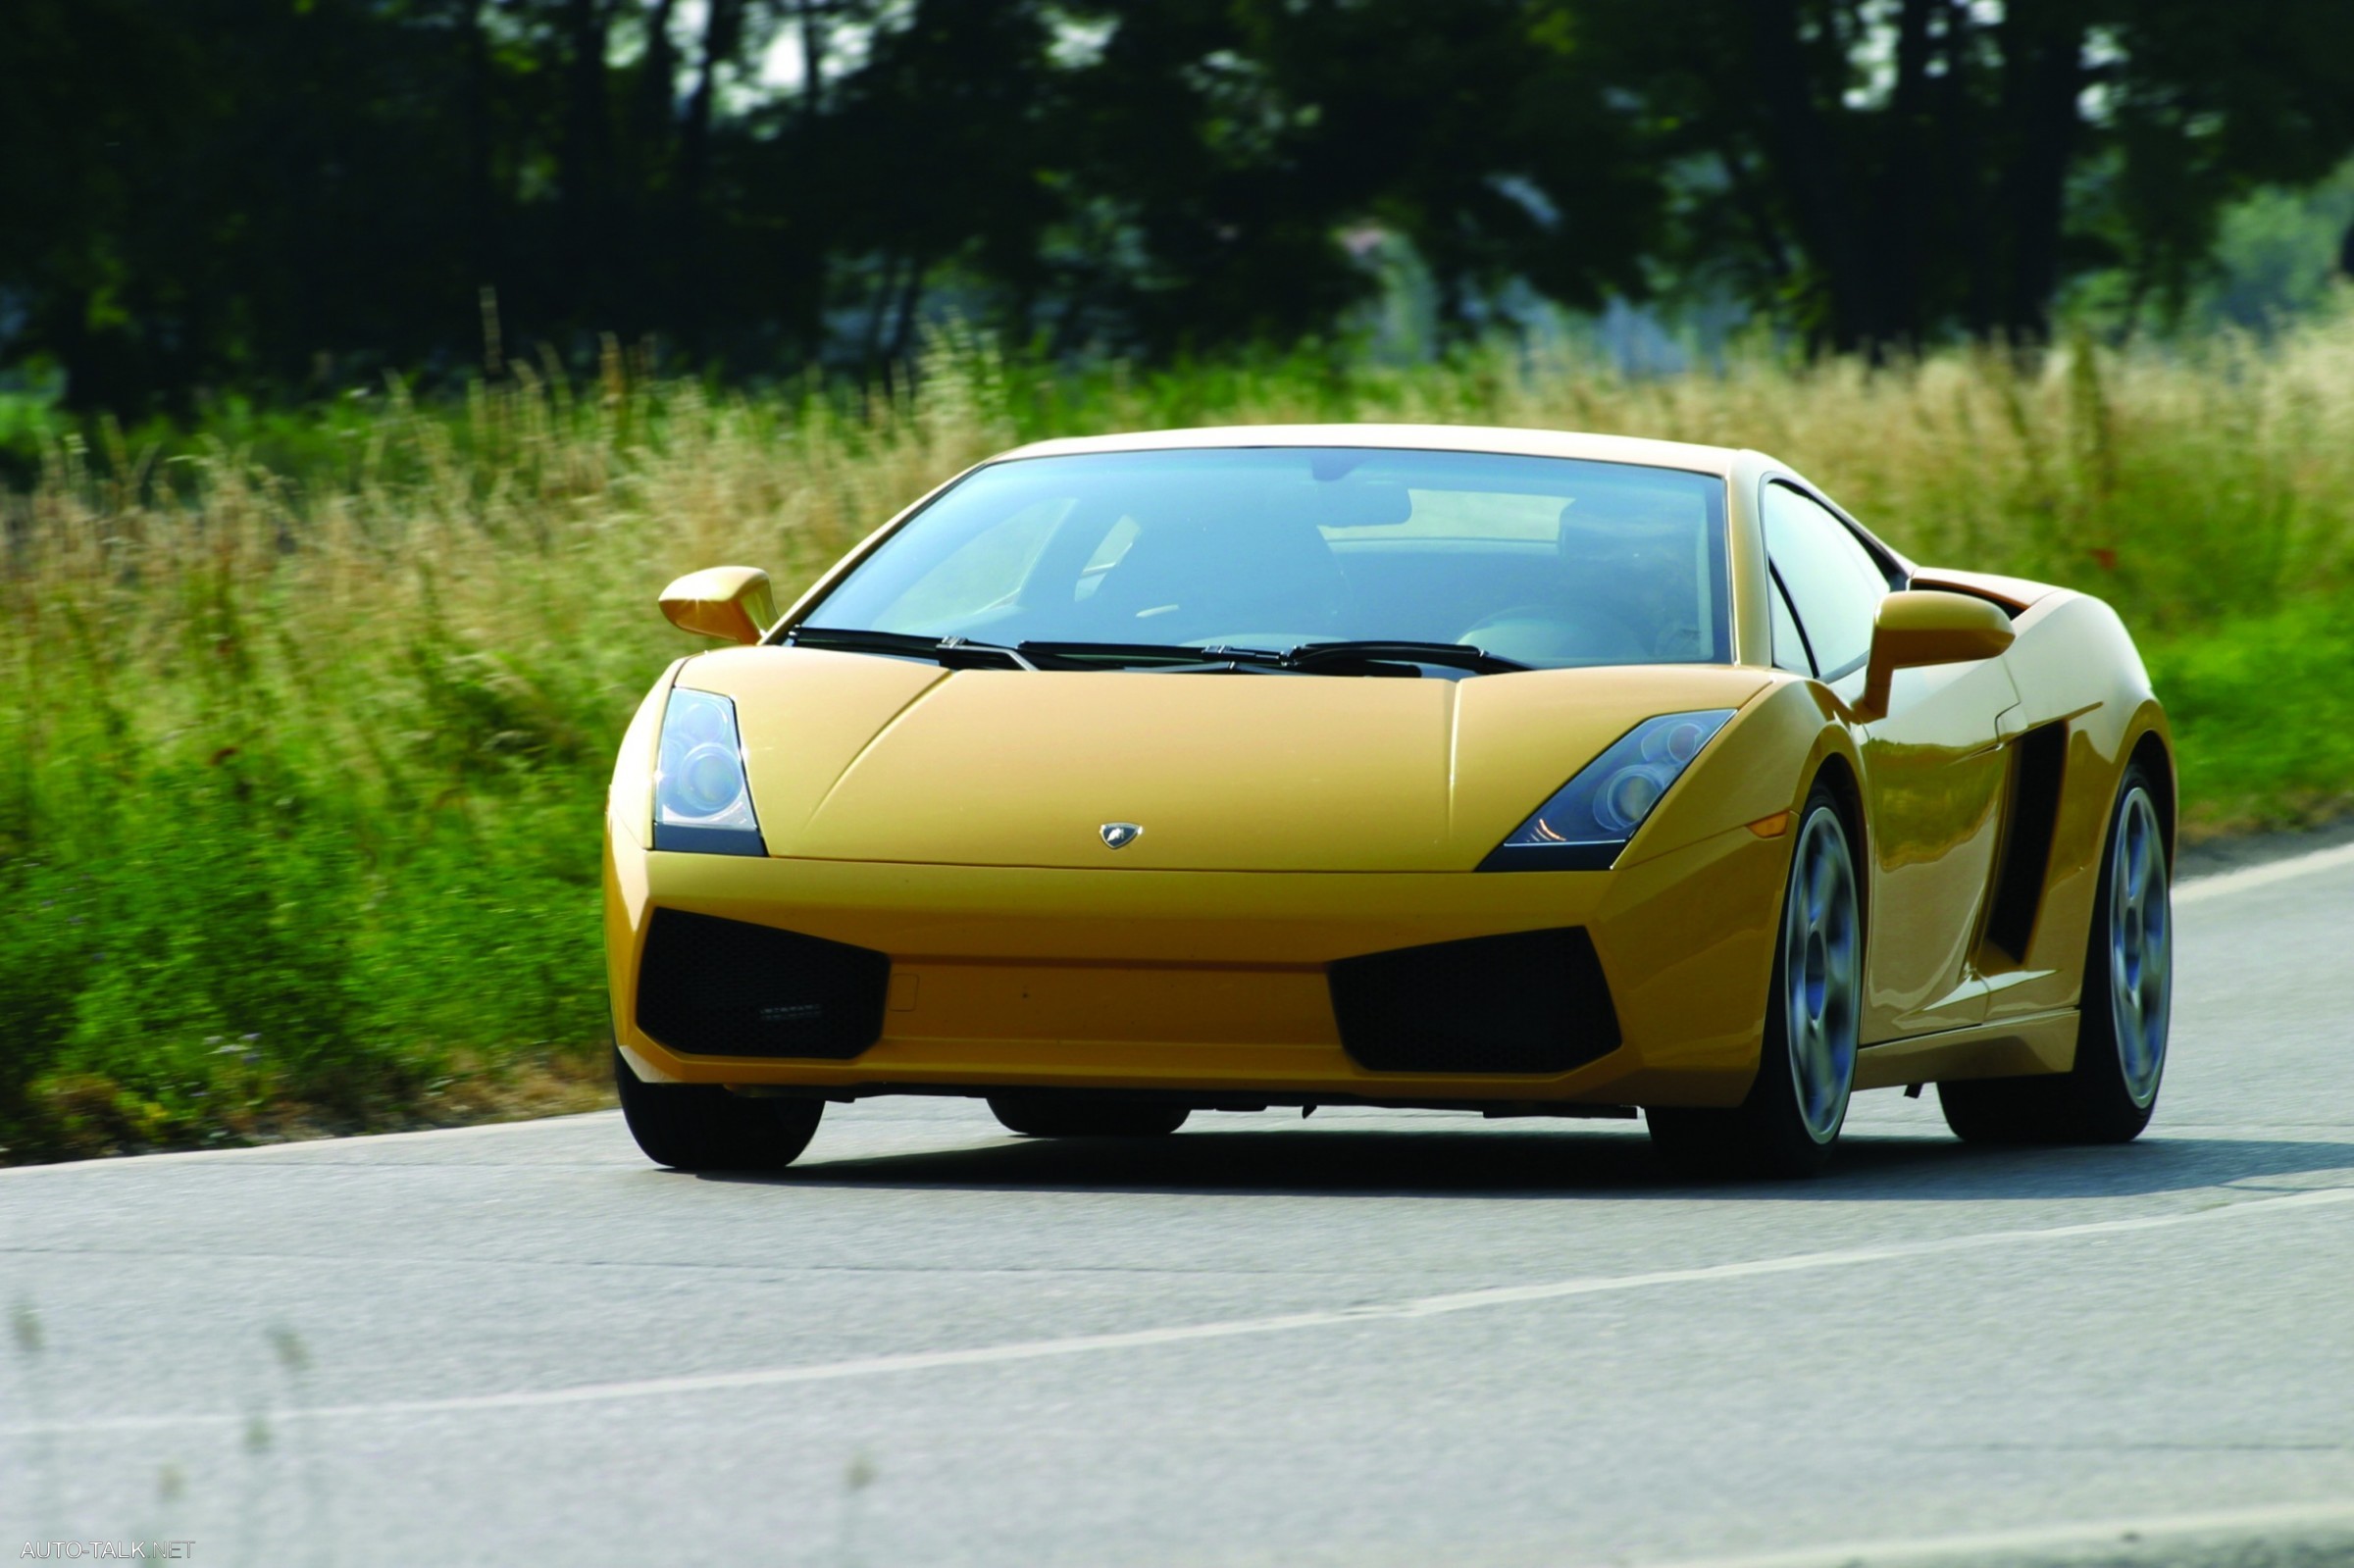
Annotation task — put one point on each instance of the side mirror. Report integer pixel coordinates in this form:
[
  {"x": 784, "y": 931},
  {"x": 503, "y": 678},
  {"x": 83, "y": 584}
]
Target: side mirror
[
  {"x": 721, "y": 601},
  {"x": 1925, "y": 626}
]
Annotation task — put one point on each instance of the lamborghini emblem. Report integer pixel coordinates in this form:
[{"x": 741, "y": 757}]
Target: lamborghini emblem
[{"x": 1119, "y": 835}]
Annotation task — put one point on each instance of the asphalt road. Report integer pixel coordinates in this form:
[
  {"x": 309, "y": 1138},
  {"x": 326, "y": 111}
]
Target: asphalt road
[{"x": 1373, "y": 1338}]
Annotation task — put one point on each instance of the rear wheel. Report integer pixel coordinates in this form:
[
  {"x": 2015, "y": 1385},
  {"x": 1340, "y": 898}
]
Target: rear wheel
[
  {"x": 2108, "y": 1095},
  {"x": 1807, "y": 1065},
  {"x": 1054, "y": 1116},
  {"x": 705, "y": 1127}
]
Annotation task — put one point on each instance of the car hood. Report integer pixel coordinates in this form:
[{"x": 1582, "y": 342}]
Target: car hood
[{"x": 858, "y": 757}]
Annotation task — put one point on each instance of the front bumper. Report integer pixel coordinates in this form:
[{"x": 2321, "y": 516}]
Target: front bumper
[{"x": 1216, "y": 981}]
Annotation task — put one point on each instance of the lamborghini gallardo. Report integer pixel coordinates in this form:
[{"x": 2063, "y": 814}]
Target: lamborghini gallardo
[{"x": 1524, "y": 774}]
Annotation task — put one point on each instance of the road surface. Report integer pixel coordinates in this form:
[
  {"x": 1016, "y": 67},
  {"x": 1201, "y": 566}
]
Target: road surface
[{"x": 1366, "y": 1339}]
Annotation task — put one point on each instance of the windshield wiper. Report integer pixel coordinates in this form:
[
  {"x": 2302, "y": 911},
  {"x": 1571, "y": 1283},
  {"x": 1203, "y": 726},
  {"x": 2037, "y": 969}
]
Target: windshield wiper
[
  {"x": 1452, "y": 655},
  {"x": 1168, "y": 656},
  {"x": 1371, "y": 656},
  {"x": 954, "y": 653},
  {"x": 964, "y": 654}
]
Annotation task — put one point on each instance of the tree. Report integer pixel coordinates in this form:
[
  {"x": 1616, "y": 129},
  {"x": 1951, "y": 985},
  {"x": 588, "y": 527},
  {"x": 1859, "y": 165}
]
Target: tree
[
  {"x": 1484, "y": 130},
  {"x": 942, "y": 149},
  {"x": 1894, "y": 170},
  {"x": 285, "y": 196},
  {"x": 1221, "y": 147}
]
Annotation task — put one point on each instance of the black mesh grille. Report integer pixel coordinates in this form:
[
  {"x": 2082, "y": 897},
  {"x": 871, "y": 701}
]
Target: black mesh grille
[
  {"x": 722, "y": 987},
  {"x": 1534, "y": 1001}
]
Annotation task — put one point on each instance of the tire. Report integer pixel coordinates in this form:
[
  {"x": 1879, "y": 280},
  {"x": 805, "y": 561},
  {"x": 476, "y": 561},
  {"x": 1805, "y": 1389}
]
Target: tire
[
  {"x": 1807, "y": 1059},
  {"x": 2109, "y": 1095},
  {"x": 1056, "y": 1116},
  {"x": 704, "y": 1127}
]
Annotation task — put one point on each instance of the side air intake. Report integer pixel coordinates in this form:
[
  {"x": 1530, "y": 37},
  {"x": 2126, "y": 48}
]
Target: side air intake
[
  {"x": 1533, "y": 1001},
  {"x": 2040, "y": 757},
  {"x": 709, "y": 987}
]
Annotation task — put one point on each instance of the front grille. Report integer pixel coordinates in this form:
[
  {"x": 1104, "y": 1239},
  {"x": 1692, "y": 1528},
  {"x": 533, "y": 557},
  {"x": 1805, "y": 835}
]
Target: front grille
[
  {"x": 1533, "y": 1001},
  {"x": 724, "y": 987}
]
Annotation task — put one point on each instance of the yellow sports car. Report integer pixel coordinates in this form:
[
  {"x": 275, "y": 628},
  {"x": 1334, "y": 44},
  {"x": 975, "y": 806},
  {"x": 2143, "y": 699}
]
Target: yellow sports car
[{"x": 1506, "y": 771}]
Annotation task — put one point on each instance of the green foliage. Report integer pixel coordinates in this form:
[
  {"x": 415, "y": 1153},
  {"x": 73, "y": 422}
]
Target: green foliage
[
  {"x": 46, "y": 942},
  {"x": 2264, "y": 715},
  {"x": 303, "y": 759},
  {"x": 237, "y": 958},
  {"x": 224, "y": 929},
  {"x": 2277, "y": 255},
  {"x": 240, "y": 922}
]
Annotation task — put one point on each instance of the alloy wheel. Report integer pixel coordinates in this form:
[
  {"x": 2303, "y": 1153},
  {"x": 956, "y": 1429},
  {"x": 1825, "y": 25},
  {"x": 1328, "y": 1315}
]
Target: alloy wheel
[
  {"x": 1823, "y": 974},
  {"x": 2140, "y": 946}
]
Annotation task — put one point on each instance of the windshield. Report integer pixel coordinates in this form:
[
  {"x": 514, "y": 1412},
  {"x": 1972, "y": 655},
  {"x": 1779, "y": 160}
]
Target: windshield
[{"x": 1541, "y": 561}]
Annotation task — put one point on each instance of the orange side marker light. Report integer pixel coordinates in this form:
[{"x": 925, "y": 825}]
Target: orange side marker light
[{"x": 1772, "y": 827}]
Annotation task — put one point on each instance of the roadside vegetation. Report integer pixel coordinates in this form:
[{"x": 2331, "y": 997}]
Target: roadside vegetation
[{"x": 309, "y": 717}]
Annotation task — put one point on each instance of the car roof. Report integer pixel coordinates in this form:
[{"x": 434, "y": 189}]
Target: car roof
[{"x": 1717, "y": 460}]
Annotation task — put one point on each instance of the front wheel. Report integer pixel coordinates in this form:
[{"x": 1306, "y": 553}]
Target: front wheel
[
  {"x": 1807, "y": 1063},
  {"x": 2110, "y": 1094},
  {"x": 707, "y": 1127},
  {"x": 1055, "y": 1116}
]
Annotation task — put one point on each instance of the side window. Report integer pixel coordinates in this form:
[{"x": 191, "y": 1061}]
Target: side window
[
  {"x": 1835, "y": 586},
  {"x": 1789, "y": 646}
]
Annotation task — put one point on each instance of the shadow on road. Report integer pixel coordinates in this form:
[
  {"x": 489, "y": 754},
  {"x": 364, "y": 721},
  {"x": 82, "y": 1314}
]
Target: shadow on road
[{"x": 1478, "y": 1162}]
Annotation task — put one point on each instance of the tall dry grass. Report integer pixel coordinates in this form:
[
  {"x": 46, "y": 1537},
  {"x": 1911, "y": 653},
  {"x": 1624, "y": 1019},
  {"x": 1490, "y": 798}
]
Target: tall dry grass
[{"x": 300, "y": 781}]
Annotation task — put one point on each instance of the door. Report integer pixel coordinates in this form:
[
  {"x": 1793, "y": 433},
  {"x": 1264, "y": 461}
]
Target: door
[{"x": 1933, "y": 773}]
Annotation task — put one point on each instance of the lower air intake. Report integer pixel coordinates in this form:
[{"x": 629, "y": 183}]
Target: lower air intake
[
  {"x": 1533, "y": 1001},
  {"x": 708, "y": 986}
]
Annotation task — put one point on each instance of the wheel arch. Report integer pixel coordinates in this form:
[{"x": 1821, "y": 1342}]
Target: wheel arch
[
  {"x": 2157, "y": 758},
  {"x": 1836, "y": 771}
]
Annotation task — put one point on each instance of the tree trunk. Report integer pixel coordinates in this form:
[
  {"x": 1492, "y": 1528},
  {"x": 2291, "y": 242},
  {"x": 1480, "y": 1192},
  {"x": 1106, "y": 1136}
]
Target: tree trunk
[
  {"x": 2044, "y": 75},
  {"x": 887, "y": 286},
  {"x": 1800, "y": 152},
  {"x": 723, "y": 32},
  {"x": 902, "y": 332},
  {"x": 1958, "y": 153},
  {"x": 1907, "y": 182},
  {"x": 657, "y": 84},
  {"x": 481, "y": 246},
  {"x": 587, "y": 148},
  {"x": 813, "y": 17},
  {"x": 1748, "y": 202}
]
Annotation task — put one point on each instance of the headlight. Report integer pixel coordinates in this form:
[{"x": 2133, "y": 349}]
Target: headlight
[
  {"x": 1590, "y": 819},
  {"x": 702, "y": 801}
]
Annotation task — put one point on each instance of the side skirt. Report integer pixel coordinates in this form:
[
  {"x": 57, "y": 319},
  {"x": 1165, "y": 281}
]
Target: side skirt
[{"x": 2016, "y": 1048}]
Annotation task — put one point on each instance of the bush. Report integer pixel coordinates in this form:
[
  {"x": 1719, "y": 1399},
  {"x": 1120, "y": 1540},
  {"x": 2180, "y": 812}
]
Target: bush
[{"x": 301, "y": 781}]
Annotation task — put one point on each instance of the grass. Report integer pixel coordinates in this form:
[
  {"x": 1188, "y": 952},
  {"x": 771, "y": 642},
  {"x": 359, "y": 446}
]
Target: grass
[{"x": 307, "y": 733}]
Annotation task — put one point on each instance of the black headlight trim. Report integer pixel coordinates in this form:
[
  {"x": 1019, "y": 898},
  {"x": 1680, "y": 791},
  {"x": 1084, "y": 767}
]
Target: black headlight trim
[
  {"x": 1554, "y": 857},
  {"x": 1645, "y": 750},
  {"x": 709, "y": 840}
]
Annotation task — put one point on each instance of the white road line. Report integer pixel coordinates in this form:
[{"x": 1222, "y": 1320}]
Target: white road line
[
  {"x": 1977, "y": 1545},
  {"x": 2223, "y": 884},
  {"x": 133, "y": 1162},
  {"x": 1429, "y": 1306}
]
